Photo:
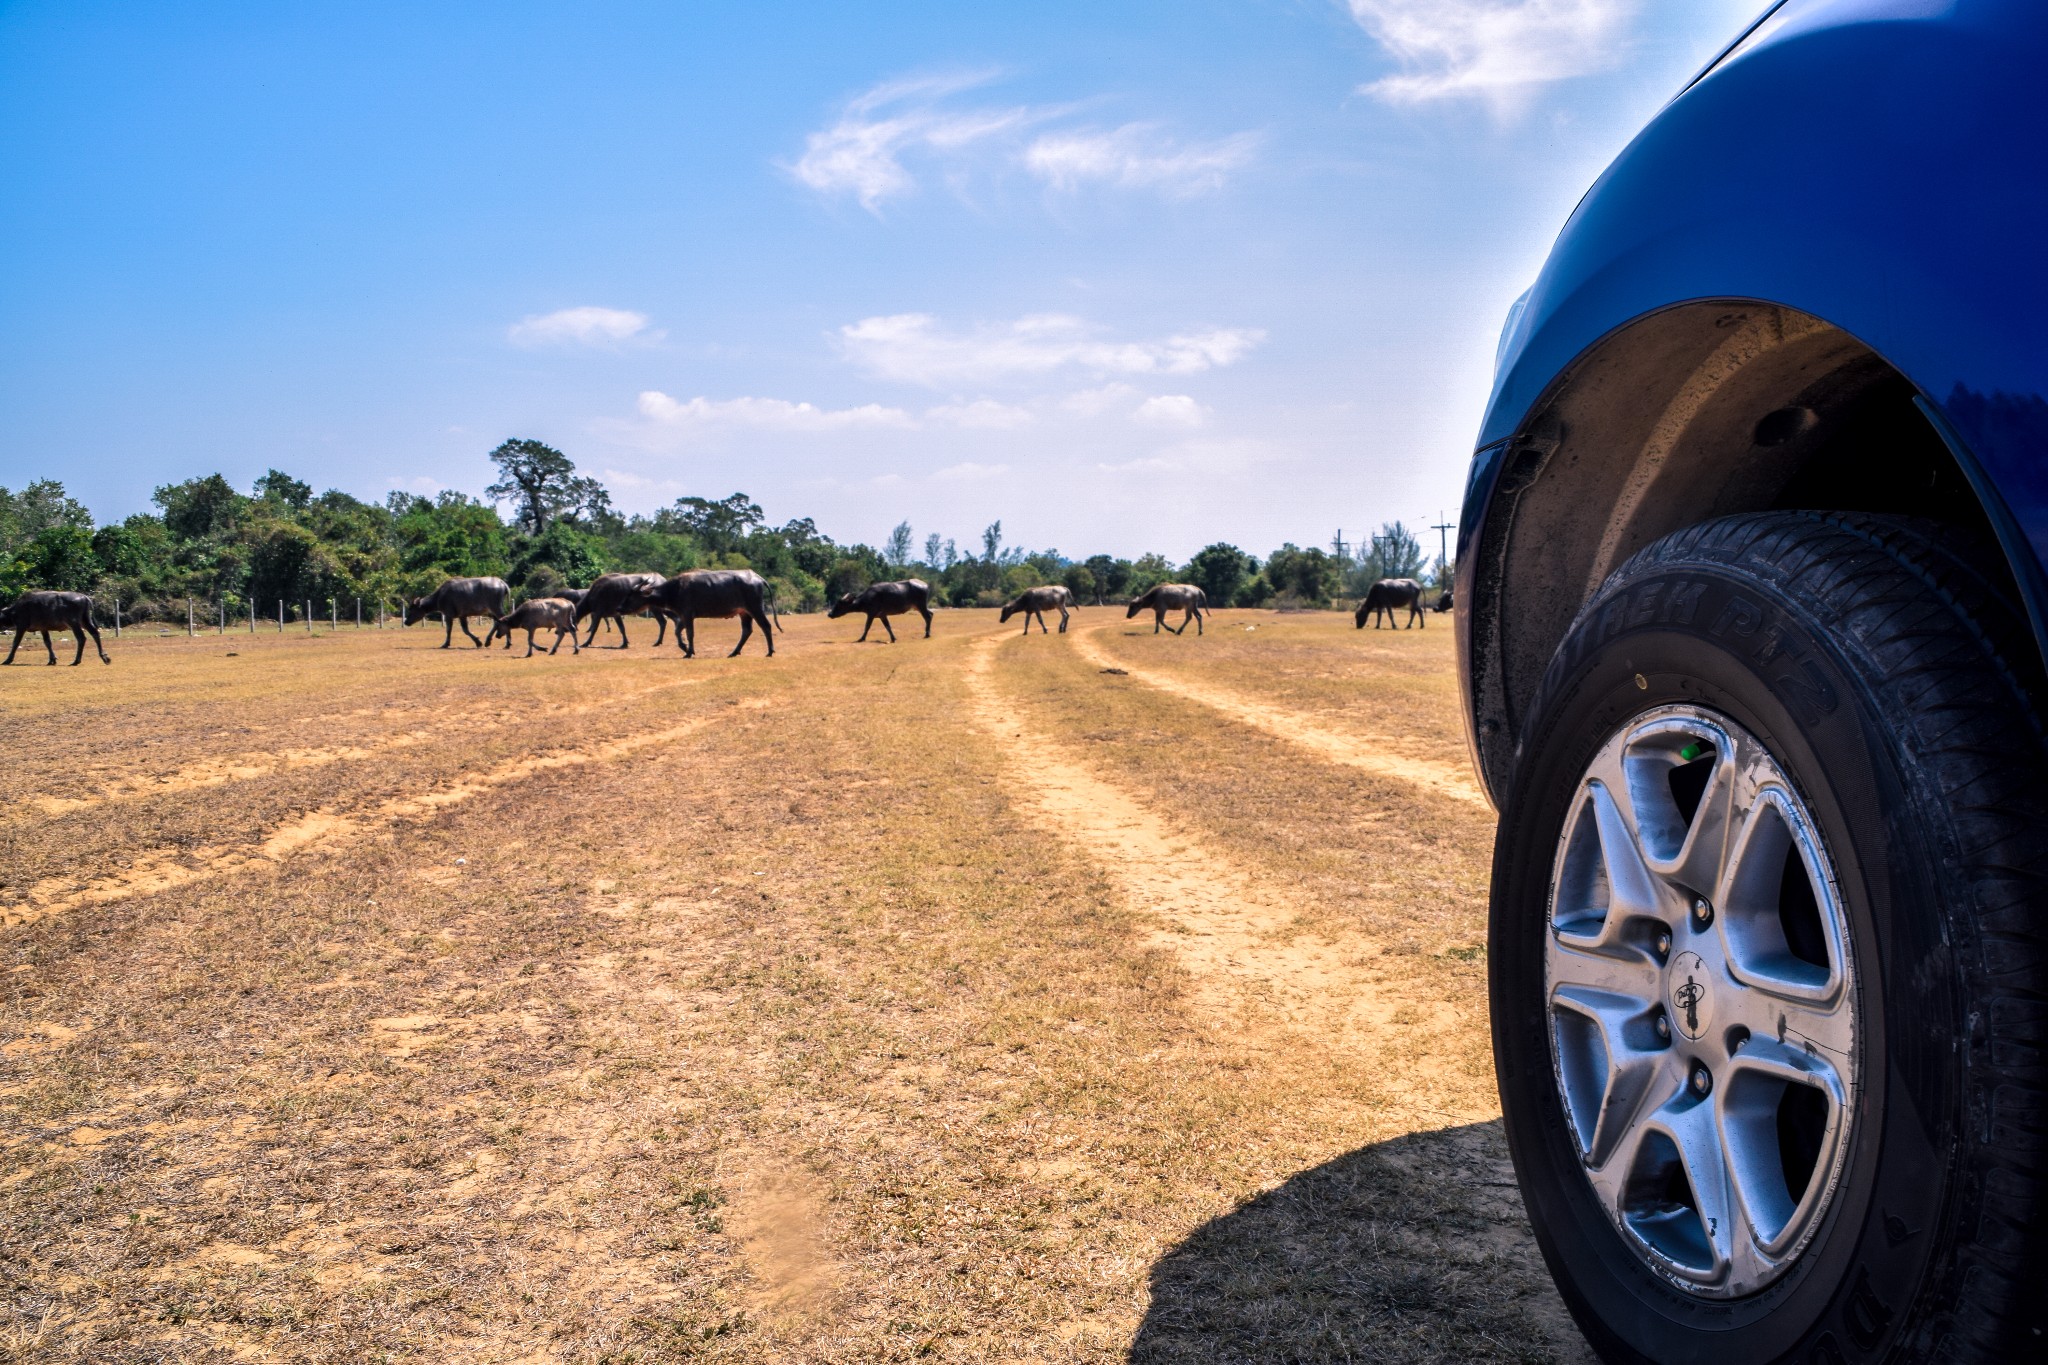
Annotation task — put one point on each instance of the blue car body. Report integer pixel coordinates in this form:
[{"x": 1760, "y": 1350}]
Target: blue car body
[{"x": 1861, "y": 188}]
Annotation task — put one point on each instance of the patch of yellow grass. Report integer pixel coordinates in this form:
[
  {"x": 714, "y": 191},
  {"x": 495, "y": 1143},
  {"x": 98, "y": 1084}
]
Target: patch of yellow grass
[{"x": 815, "y": 1028}]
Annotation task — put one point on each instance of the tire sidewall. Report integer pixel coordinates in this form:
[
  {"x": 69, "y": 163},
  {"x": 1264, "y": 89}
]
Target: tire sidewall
[{"x": 1715, "y": 638}]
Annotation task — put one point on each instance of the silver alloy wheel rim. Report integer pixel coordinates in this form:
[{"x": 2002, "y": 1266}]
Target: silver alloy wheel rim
[{"x": 1702, "y": 1001}]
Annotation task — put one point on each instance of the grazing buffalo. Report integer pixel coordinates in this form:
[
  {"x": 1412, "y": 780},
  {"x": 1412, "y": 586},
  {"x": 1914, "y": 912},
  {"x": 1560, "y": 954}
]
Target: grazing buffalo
[
  {"x": 1390, "y": 595},
  {"x": 614, "y": 597},
  {"x": 542, "y": 613},
  {"x": 715, "y": 593},
  {"x": 44, "y": 612},
  {"x": 1037, "y": 602},
  {"x": 1443, "y": 600},
  {"x": 884, "y": 600},
  {"x": 1166, "y": 597},
  {"x": 459, "y": 599}
]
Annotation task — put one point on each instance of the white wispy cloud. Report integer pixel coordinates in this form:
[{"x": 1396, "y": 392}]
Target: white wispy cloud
[
  {"x": 913, "y": 347},
  {"x": 1495, "y": 50},
  {"x": 862, "y": 152},
  {"x": 969, "y": 471},
  {"x": 587, "y": 326},
  {"x": 880, "y": 142},
  {"x": 1136, "y": 156},
  {"x": 983, "y": 414},
  {"x": 768, "y": 414},
  {"x": 1170, "y": 410}
]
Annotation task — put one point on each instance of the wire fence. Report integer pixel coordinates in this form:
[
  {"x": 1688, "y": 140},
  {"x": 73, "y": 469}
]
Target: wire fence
[{"x": 221, "y": 615}]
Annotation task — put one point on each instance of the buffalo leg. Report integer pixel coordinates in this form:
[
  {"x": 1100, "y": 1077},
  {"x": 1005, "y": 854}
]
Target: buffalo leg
[
  {"x": 19, "y": 632},
  {"x": 52, "y": 649},
  {"x": 78, "y": 634},
  {"x": 767, "y": 632},
  {"x": 746, "y": 632},
  {"x": 1063, "y": 618},
  {"x": 891, "y": 629},
  {"x": 447, "y": 632},
  {"x": 660, "y": 629},
  {"x": 623, "y": 641},
  {"x": 864, "y": 631},
  {"x": 1158, "y": 620},
  {"x": 686, "y": 636},
  {"x": 1197, "y": 613},
  {"x": 927, "y": 621},
  {"x": 472, "y": 634},
  {"x": 591, "y": 639}
]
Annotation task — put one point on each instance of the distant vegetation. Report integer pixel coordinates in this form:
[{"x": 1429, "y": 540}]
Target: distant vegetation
[{"x": 281, "y": 542}]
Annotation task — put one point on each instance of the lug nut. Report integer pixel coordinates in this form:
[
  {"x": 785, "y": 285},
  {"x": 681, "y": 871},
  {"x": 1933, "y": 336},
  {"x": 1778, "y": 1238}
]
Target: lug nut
[
  {"x": 1663, "y": 944},
  {"x": 1702, "y": 1080},
  {"x": 1663, "y": 1029},
  {"x": 1702, "y": 913}
]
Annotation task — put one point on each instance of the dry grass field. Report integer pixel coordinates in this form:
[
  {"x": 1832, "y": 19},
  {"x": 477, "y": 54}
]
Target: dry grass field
[{"x": 954, "y": 1000}]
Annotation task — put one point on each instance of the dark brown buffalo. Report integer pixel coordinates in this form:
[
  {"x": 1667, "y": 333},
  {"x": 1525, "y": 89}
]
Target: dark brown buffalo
[
  {"x": 883, "y": 600},
  {"x": 44, "y": 612},
  {"x": 715, "y": 593},
  {"x": 614, "y": 597},
  {"x": 542, "y": 613},
  {"x": 1390, "y": 595},
  {"x": 459, "y": 599},
  {"x": 1183, "y": 597},
  {"x": 1443, "y": 600},
  {"x": 1037, "y": 602}
]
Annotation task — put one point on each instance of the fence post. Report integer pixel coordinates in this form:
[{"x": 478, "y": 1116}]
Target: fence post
[
  {"x": 117, "y": 616},
  {"x": 309, "y": 616},
  {"x": 280, "y": 616},
  {"x": 223, "y": 616},
  {"x": 333, "y": 615},
  {"x": 359, "y": 613},
  {"x": 252, "y": 616},
  {"x": 190, "y": 631}
]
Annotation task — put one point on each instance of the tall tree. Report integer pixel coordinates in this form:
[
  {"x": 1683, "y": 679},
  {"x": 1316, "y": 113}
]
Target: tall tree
[
  {"x": 992, "y": 541},
  {"x": 543, "y": 484},
  {"x": 897, "y": 551},
  {"x": 281, "y": 488},
  {"x": 719, "y": 526},
  {"x": 1220, "y": 570}
]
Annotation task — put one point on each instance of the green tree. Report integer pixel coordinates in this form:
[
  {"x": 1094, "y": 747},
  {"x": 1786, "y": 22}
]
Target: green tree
[
  {"x": 1080, "y": 581},
  {"x": 199, "y": 509},
  {"x": 1310, "y": 577},
  {"x": 282, "y": 490},
  {"x": 897, "y": 550},
  {"x": 719, "y": 526},
  {"x": 1219, "y": 570},
  {"x": 568, "y": 552},
  {"x": 543, "y": 485},
  {"x": 1147, "y": 571},
  {"x": 1112, "y": 576},
  {"x": 1393, "y": 553}
]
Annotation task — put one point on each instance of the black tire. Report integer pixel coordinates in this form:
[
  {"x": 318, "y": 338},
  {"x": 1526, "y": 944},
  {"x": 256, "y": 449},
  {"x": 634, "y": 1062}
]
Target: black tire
[{"x": 1894, "y": 686}]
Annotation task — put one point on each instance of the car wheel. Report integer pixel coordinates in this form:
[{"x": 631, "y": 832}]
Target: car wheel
[{"x": 1769, "y": 952}]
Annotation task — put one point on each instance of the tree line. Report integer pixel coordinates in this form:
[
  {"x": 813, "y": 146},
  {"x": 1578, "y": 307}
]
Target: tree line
[{"x": 280, "y": 542}]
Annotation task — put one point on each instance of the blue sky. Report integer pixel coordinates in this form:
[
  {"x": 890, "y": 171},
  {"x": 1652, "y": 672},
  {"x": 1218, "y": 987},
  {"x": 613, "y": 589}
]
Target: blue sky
[{"x": 1128, "y": 276}]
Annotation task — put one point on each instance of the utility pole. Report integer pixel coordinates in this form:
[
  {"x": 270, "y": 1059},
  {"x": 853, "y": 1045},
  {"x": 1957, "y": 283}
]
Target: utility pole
[
  {"x": 1443, "y": 531},
  {"x": 1339, "y": 545}
]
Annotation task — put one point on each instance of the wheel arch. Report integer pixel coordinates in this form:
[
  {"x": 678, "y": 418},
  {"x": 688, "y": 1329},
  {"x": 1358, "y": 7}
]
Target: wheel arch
[{"x": 1704, "y": 409}]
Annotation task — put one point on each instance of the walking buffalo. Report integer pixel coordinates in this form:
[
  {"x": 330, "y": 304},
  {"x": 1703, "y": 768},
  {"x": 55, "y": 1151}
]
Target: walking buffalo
[
  {"x": 717, "y": 594},
  {"x": 542, "y": 613},
  {"x": 1166, "y": 597},
  {"x": 44, "y": 612},
  {"x": 1037, "y": 602},
  {"x": 615, "y": 596},
  {"x": 1390, "y": 595},
  {"x": 459, "y": 599},
  {"x": 884, "y": 600}
]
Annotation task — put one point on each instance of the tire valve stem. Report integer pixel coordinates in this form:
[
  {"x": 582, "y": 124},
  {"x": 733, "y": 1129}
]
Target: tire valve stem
[
  {"x": 1702, "y": 914},
  {"x": 1702, "y": 1080}
]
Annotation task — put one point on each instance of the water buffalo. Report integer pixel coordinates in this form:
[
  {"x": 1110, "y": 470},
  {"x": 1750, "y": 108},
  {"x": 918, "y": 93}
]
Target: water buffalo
[
  {"x": 614, "y": 597},
  {"x": 1443, "y": 600},
  {"x": 44, "y": 612},
  {"x": 716, "y": 593},
  {"x": 1168, "y": 597},
  {"x": 1037, "y": 602},
  {"x": 459, "y": 599},
  {"x": 542, "y": 613},
  {"x": 884, "y": 600},
  {"x": 1390, "y": 595}
]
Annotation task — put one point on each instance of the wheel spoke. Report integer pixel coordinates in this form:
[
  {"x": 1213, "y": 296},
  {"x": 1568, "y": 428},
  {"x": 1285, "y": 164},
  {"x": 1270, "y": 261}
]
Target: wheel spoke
[{"x": 1619, "y": 1058}]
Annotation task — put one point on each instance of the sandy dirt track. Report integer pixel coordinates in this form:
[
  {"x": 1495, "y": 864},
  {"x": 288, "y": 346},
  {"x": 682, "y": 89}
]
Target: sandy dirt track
[{"x": 957, "y": 999}]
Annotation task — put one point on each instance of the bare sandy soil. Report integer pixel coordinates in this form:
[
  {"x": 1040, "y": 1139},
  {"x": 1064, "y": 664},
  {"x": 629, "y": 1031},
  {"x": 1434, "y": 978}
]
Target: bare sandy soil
[{"x": 1082, "y": 997}]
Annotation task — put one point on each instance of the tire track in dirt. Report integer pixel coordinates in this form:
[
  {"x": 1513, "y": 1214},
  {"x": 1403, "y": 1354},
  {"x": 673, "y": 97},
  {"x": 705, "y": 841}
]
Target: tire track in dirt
[
  {"x": 1235, "y": 938},
  {"x": 148, "y": 876},
  {"x": 217, "y": 772},
  {"x": 1444, "y": 779}
]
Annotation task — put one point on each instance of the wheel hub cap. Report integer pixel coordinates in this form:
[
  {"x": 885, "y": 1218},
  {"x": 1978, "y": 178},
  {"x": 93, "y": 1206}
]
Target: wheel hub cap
[{"x": 1702, "y": 1001}]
